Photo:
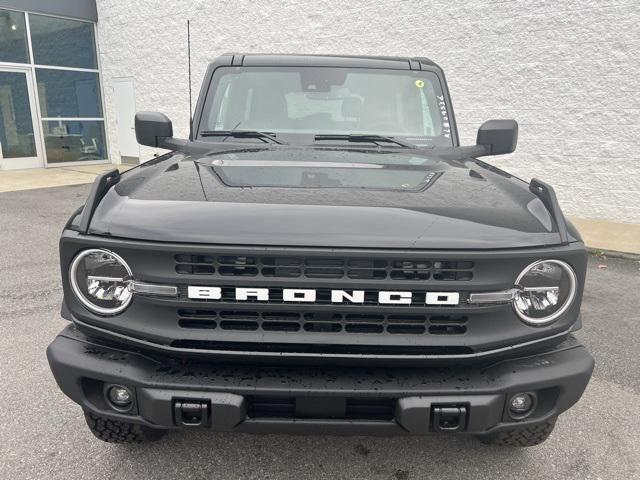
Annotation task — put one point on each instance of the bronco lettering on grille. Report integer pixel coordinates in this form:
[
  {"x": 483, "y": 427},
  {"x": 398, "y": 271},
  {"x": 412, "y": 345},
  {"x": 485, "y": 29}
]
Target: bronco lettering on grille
[{"x": 307, "y": 295}]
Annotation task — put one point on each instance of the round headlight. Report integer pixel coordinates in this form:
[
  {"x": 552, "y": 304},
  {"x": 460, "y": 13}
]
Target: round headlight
[
  {"x": 544, "y": 291},
  {"x": 100, "y": 279}
]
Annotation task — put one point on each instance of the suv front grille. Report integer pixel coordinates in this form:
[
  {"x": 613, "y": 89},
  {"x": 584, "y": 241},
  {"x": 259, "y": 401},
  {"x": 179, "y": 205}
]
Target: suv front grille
[
  {"x": 322, "y": 322},
  {"x": 345, "y": 305},
  {"x": 323, "y": 268}
]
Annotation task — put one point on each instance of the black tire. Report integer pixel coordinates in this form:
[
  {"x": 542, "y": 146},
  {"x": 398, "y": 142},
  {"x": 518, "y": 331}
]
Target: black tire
[
  {"x": 115, "y": 431},
  {"x": 526, "y": 436}
]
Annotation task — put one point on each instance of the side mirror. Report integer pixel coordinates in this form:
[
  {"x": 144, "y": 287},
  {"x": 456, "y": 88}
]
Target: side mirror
[
  {"x": 153, "y": 128},
  {"x": 498, "y": 136}
]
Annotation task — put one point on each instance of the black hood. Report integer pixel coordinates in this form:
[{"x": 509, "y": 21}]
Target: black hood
[{"x": 325, "y": 197}]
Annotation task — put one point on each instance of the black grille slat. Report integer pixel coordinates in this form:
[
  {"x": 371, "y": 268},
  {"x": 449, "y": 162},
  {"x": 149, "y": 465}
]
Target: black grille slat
[
  {"x": 363, "y": 317},
  {"x": 197, "y": 323},
  {"x": 355, "y": 408},
  {"x": 406, "y": 329},
  {"x": 366, "y": 274},
  {"x": 236, "y": 260},
  {"x": 280, "y": 326},
  {"x": 406, "y": 318},
  {"x": 271, "y": 407},
  {"x": 285, "y": 272},
  {"x": 188, "y": 264},
  {"x": 370, "y": 408},
  {"x": 323, "y": 272},
  {"x": 241, "y": 271},
  {"x": 364, "y": 328},
  {"x": 323, "y": 322},
  {"x": 447, "y": 329},
  {"x": 206, "y": 314},
  {"x": 196, "y": 259},
  {"x": 323, "y": 268},
  {"x": 322, "y": 327},
  {"x": 239, "y": 325},
  {"x": 323, "y": 316},
  {"x": 239, "y": 315},
  {"x": 194, "y": 269},
  {"x": 283, "y": 316},
  {"x": 448, "y": 318},
  {"x": 324, "y": 262}
]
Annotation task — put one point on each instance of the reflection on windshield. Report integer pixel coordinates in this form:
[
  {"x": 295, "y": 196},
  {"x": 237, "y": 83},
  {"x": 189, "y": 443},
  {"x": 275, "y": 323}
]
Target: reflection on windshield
[{"x": 329, "y": 101}]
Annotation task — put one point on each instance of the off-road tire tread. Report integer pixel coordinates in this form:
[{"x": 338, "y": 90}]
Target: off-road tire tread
[
  {"x": 528, "y": 436},
  {"x": 115, "y": 431}
]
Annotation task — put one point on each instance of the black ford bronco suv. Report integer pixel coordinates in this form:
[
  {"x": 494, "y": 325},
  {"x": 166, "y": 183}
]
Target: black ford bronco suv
[{"x": 322, "y": 256}]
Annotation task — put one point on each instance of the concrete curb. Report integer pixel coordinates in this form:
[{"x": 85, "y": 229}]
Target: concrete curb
[
  {"x": 609, "y": 236},
  {"x": 15, "y": 180},
  {"x": 613, "y": 254}
]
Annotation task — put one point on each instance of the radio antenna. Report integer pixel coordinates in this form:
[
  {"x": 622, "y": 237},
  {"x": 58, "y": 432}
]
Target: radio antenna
[{"x": 189, "y": 61}]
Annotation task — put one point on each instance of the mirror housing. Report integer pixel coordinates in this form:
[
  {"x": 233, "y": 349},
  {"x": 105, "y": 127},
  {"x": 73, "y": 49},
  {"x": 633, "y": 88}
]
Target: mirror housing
[
  {"x": 153, "y": 128},
  {"x": 498, "y": 136}
]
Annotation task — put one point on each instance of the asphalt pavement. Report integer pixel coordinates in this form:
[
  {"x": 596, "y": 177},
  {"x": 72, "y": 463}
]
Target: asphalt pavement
[{"x": 43, "y": 434}]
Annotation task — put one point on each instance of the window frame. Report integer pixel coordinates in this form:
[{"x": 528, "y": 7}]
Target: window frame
[{"x": 38, "y": 114}]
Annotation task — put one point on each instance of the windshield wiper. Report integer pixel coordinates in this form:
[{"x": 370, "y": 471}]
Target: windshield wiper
[
  {"x": 366, "y": 138},
  {"x": 264, "y": 136}
]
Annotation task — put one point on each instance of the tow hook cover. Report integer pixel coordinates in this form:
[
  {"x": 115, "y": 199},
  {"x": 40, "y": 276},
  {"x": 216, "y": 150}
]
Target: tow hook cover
[
  {"x": 449, "y": 419},
  {"x": 191, "y": 413}
]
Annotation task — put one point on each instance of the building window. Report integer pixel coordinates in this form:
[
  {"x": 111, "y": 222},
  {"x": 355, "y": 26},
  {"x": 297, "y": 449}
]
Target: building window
[
  {"x": 13, "y": 37},
  {"x": 65, "y": 93},
  {"x": 51, "y": 105},
  {"x": 68, "y": 84},
  {"x": 16, "y": 124},
  {"x": 62, "y": 42},
  {"x": 72, "y": 141}
]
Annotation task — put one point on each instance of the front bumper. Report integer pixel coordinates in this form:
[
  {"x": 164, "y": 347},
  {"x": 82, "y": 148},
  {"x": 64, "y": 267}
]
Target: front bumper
[{"x": 326, "y": 400}]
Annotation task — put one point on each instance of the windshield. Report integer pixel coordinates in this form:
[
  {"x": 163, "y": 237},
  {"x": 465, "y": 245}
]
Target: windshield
[{"x": 294, "y": 101}]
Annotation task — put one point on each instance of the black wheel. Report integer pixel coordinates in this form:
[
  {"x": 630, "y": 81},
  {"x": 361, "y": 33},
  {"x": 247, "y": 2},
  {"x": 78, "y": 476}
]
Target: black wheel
[
  {"x": 526, "y": 436},
  {"x": 115, "y": 431}
]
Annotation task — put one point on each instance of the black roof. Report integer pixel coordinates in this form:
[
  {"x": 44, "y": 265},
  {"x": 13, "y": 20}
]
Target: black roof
[{"x": 278, "y": 59}]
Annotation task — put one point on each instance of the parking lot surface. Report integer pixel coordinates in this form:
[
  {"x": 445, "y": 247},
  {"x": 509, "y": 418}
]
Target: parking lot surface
[{"x": 43, "y": 434}]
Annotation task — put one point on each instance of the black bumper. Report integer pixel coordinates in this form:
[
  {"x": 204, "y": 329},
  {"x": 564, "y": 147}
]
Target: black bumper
[{"x": 388, "y": 401}]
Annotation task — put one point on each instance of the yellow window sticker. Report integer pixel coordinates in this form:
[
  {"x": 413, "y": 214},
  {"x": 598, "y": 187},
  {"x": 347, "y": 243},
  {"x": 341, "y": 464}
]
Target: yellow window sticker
[{"x": 419, "y": 83}]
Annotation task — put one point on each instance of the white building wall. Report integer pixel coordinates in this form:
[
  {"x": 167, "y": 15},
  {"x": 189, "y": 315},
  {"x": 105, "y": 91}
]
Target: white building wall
[{"x": 567, "y": 71}]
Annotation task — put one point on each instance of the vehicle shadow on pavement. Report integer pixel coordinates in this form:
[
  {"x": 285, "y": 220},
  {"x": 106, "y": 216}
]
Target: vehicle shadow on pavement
[{"x": 211, "y": 455}]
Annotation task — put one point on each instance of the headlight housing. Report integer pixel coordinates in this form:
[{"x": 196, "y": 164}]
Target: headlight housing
[
  {"x": 101, "y": 281},
  {"x": 544, "y": 291}
]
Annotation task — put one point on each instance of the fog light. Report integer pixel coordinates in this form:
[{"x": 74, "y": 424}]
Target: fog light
[
  {"x": 521, "y": 404},
  {"x": 119, "y": 396}
]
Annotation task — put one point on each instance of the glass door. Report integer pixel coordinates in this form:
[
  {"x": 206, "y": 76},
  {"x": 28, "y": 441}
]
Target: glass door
[{"x": 19, "y": 135}]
